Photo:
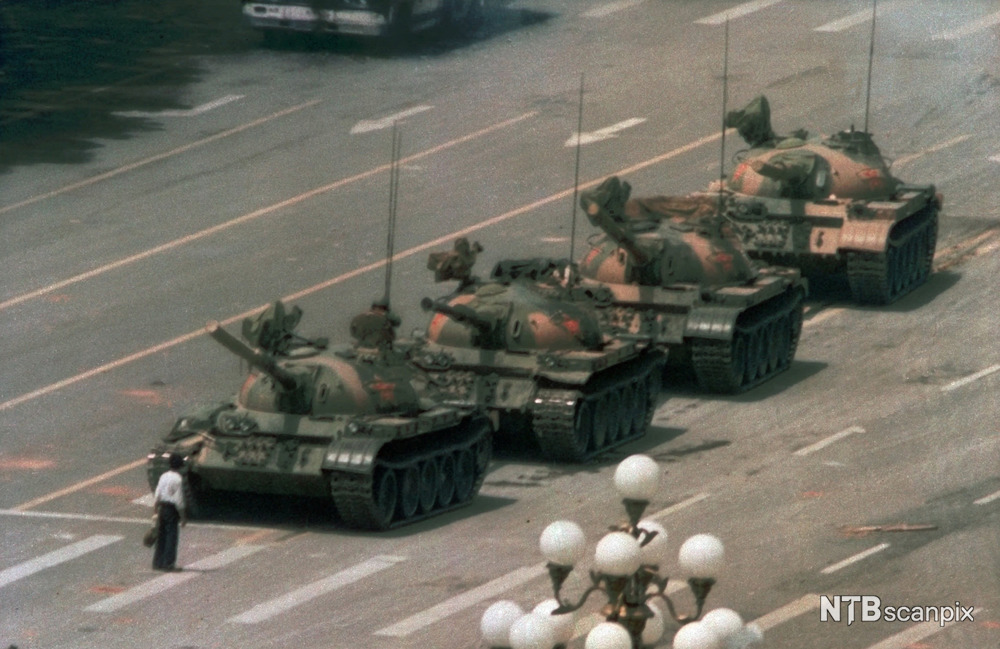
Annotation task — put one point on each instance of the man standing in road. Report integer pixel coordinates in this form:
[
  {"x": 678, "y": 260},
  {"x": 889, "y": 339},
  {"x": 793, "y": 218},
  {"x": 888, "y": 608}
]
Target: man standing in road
[{"x": 170, "y": 509}]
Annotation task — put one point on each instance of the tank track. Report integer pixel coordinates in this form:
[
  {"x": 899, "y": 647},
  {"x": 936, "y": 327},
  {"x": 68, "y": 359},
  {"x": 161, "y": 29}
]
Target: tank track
[
  {"x": 763, "y": 345},
  {"x": 883, "y": 278},
  {"x": 575, "y": 425},
  {"x": 420, "y": 492}
]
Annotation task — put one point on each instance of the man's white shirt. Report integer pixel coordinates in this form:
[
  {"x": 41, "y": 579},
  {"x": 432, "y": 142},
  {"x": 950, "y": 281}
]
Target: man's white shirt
[{"x": 169, "y": 489}]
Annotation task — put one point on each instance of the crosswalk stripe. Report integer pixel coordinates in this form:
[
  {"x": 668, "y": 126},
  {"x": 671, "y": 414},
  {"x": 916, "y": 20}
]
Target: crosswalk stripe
[
  {"x": 736, "y": 12},
  {"x": 970, "y": 28},
  {"x": 311, "y": 591},
  {"x": 463, "y": 601},
  {"x": 911, "y": 636},
  {"x": 169, "y": 580},
  {"x": 54, "y": 558}
]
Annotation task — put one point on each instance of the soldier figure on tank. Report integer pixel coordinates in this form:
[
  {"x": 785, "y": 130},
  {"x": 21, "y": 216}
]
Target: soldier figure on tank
[
  {"x": 829, "y": 205},
  {"x": 527, "y": 345},
  {"x": 677, "y": 273},
  {"x": 356, "y": 424}
]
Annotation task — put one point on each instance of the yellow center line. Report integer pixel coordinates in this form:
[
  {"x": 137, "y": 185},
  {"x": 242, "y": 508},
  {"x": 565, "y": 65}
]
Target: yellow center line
[{"x": 158, "y": 157}]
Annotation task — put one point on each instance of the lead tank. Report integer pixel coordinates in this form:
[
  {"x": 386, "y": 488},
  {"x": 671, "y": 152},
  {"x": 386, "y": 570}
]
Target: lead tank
[
  {"x": 677, "y": 273},
  {"x": 830, "y": 205},
  {"x": 355, "y": 424},
  {"x": 527, "y": 345}
]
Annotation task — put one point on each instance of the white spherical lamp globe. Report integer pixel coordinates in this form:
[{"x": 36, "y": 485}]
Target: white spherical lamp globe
[
  {"x": 701, "y": 556},
  {"x": 497, "y": 620},
  {"x": 653, "y": 631},
  {"x": 725, "y": 623},
  {"x": 696, "y": 636},
  {"x": 563, "y": 543},
  {"x": 637, "y": 477},
  {"x": 618, "y": 554},
  {"x": 654, "y": 552},
  {"x": 608, "y": 635},
  {"x": 532, "y": 631},
  {"x": 562, "y": 624}
]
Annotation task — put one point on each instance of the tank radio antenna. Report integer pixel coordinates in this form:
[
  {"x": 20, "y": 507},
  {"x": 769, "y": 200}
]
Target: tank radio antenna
[
  {"x": 576, "y": 172},
  {"x": 871, "y": 56},
  {"x": 397, "y": 139},
  {"x": 725, "y": 100}
]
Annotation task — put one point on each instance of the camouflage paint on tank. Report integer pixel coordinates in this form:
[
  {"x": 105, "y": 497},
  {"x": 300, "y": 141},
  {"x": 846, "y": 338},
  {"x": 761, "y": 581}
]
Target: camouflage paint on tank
[{"x": 830, "y": 206}]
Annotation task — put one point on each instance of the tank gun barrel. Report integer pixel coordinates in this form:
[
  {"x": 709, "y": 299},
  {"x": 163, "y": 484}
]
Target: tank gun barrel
[
  {"x": 619, "y": 231},
  {"x": 460, "y": 313},
  {"x": 264, "y": 362}
]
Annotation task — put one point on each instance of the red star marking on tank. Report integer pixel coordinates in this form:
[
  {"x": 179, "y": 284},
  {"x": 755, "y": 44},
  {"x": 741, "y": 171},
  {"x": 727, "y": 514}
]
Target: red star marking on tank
[
  {"x": 590, "y": 256},
  {"x": 571, "y": 325},
  {"x": 740, "y": 170},
  {"x": 386, "y": 391},
  {"x": 723, "y": 259}
]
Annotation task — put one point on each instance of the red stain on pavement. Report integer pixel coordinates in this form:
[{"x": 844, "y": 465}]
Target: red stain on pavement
[
  {"x": 990, "y": 624},
  {"x": 151, "y": 397},
  {"x": 57, "y": 297},
  {"x": 119, "y": 490},
  {"x": 106, "y": 589},
  {"x": 25, "y": 464}
]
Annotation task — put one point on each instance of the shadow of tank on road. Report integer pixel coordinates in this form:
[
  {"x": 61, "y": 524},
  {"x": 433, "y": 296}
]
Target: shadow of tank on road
[{"x": 67, "y": 67}]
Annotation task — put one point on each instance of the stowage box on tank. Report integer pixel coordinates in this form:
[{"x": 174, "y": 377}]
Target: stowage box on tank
[
  {"x": 678, "y": 274},
  {"x": 829, "y": 205},
  {"x": 355, "y": 424},
  {"x": 527, "y": 345}
]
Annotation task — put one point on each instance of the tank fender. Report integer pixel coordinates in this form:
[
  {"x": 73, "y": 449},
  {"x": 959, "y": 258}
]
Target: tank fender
[
  {"x": 712, "y": 322},
  {"x": 353, "y": 454},
  {"x": 868, "y": 236}
]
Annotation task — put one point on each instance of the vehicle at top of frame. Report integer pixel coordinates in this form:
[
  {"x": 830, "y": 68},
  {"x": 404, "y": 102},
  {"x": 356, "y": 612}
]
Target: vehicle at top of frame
[
  {"x": 829, "y": 205},
  {"x": 357, "y": 424},
  {"x": 527, "y": 345},
  {"x": 371, "y": 18},
  {"x": 678, "y": 274}
]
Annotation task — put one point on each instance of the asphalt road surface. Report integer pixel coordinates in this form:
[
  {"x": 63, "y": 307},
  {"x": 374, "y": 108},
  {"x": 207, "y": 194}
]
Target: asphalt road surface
[{"x": 262, "y": 173}]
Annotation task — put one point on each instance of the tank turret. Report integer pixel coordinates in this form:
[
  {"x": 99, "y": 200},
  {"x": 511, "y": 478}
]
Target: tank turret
[
  {"x": 678, "y": 274},
  {"x": 829, "y": 205},
  {"x": 527, "y": 344},
  {"x": 360, "y": 425}
]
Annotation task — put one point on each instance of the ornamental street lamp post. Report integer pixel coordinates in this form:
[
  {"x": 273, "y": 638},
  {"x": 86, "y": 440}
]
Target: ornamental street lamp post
[{"x": 626, "y": 571}]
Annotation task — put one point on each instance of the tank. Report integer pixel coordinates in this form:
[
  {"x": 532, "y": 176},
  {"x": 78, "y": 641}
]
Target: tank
[
  {"x": 527, "y": 345},
  {"x": 830, "y": 206},
  {"x": 357, "y": 424},
  {"x": 677, "y": 273}
]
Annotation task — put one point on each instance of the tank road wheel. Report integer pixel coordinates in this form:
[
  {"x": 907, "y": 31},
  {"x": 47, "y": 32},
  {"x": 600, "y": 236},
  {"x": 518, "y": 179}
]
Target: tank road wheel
[
  {"x": 465, "y": 474},
  {"x": 429, "y": 478},
  {"x": 484, "y": 451},
  {"x": 409, "y": 491},
  {"x": 654, "y": 383},
  {"x": 635, "y": 411},
  {"x": 600, "y": 423},
  {"x": 615, "y": 416},
  {"x": 775, "y": 340},
  {"x": 784, "y": 341},
  {"x": 385, "y": 494},
  {"x": 446, "y": 482}
]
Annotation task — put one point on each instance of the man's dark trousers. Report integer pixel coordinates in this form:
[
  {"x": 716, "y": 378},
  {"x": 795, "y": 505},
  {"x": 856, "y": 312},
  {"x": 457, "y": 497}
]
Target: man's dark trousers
[{"x": 165, "y": 555}]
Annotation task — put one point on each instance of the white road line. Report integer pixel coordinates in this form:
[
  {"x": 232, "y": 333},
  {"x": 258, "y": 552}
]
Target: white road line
[
  {"x": 169, "y": 580},
  {"x": 898, "y": 162},
  {"x": 603, "y": 133},
  {"x": 972, "y": 377},
  {"x": 823, "y": 443},
  {"x": 251, "y": 216},
  {"x": 189, "y": 112},
  {"x": 610, "y": 8},
  {"x": 915, "y": 634},
  {"x": 861, "y": 17},
  {"x": 736, "y": 12},
  {"x": 987, "y": 499},
  {"x": 857, "y": 557},
  {"x": 56, "y": 557},
  {"x": 791, "y": 610},
  {"x": 448, "y": 238},
  {"x": 994, "y": 158},
  {"x": 369, "y": 125},
  {"x": 155, "y": 158},
  {"x": 144, "y": 501},
  {"x": 678, "y": 506},
  {"x": 465, "y": 600},
  {"x": 311, "y": 591},
  {"x": 969, "y": 28},
  {"x": 120, "y": 519}
]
